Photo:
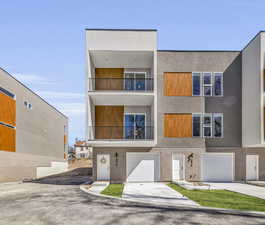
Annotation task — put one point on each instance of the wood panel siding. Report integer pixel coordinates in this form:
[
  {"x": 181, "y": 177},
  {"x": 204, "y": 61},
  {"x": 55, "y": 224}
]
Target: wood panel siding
[
  {"x": 109, "y": 122},
  {"x": 109, "y": 78},
  {"x": 7, "y": 109},
  {"x": 178, "y": 125},
  {"x": 178, "y": 84},
  {"x": 7, "y": 138}
]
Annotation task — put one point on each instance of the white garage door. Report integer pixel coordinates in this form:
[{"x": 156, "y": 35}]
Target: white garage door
[
  {"x": 142, "y": 167},
  {"x": 217, "y": 166}
]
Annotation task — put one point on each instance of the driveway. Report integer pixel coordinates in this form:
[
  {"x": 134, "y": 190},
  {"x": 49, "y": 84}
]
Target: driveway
[
  {"x": 246, "y": 189},
  {"x": 73, "y": 177},
  {"x": 46, "y": 204},
  {"x": 155, "y": 192}
]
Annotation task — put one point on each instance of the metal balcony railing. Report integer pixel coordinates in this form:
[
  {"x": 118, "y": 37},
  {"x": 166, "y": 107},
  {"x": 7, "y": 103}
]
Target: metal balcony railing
[
  {"x": 121, "y": 84},
  {"x": 121, "y": 133}
]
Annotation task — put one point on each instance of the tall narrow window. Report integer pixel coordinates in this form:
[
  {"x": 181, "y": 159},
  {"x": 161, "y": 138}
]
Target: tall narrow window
[
  {"x": 218, "y": 125},
  {"x": 218, "y": 84},
  {"x": 134, "y": 126},
  {"x": 207, "y": 84},
  {"x": 207, "y": 125},
  {"x": 139, "y": 81},
  {"x": 196, "y": 125},
  {"x": 129, "y": 81},
  {"x": 196, "y": 84}
]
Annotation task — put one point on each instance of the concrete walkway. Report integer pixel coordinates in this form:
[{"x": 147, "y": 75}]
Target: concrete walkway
[
  {"x": 98, "y": 186},
  {"x": 246, "y": 189},
  {"x": 155, "y": 192}
]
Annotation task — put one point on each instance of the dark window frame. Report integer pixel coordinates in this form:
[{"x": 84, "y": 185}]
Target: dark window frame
[{"x": 6, "y": 92}]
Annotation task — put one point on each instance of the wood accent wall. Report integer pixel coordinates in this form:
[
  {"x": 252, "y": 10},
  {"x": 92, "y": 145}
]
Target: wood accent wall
[
  {"x": 177, "y": 84},
  {"x": 7, "y": 109},
  {"x": 7, "y": 138},
  {"x": 105, "y": 83},
  {"x": 65, "y": 139},
  {"x": 178, "y": 125},
  {"x": 109, "y": 122}
]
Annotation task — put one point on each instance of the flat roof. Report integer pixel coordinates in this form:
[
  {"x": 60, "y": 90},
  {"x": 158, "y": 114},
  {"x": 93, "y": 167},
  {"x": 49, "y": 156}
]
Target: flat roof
[
  {"x": 33, "y": 92},
  {"x": 155, "y": 30},
  {"x": 198, "y": 50},
  {"x": 99, "y": 29}
]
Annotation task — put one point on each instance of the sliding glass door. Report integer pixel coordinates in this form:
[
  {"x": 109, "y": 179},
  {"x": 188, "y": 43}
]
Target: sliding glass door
[
  {"x": 134, "y": 126},
  {"x": 134, "y": 81}
]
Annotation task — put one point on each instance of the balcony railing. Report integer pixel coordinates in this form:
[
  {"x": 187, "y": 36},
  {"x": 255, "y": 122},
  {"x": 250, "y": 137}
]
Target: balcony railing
[
  {"x": 121, "y": 84},
  {"x": 130, "y": 133}
]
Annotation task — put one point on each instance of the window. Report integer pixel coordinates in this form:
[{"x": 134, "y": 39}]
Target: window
[
  {"x": 196, "y": 125},
  {"x": 207, "y": 125},
  {"x": 6, "y": 92},
  {"x": 135, "y": 81},
  {"x": 207, "y": 84},
  {"x": 218, "y": 84},
  {"x": 218, "y": 125},
  {"x": 210, "y": 83},
  {"x": 134, "y": 126},
  {"x": 27, "y": 105},
  {"x": 196, "y": 84}
]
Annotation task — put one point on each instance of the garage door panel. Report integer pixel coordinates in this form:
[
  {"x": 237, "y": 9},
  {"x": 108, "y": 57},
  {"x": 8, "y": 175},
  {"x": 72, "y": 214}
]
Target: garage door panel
[
  {"x": 217, "y": 167},
  {"x": 142, "y": 167}
]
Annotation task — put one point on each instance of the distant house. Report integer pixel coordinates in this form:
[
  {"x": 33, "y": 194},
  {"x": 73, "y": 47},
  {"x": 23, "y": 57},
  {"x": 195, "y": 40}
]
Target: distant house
[
  {"x": 71, "y": 153},
  {"x": 82, "y": 150}
]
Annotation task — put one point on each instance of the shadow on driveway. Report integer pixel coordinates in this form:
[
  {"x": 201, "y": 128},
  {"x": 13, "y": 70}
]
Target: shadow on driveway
[{"x": 73, "y": 177}]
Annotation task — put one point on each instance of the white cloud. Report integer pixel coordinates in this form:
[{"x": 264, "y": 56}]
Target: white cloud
[
  {"x": 61, "y": 95},
  {"x": 32, "y": 79}
]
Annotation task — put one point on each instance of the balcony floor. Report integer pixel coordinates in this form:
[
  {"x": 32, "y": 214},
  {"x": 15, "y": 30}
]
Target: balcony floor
[
  {"x": 121, "y": 143},
  {"x": 121, "y": 98}
]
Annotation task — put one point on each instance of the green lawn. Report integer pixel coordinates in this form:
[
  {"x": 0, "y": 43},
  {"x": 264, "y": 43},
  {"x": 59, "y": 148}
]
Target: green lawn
[
  {"x": 113, "y": 190},
  {"x": 222, "y": 199}
]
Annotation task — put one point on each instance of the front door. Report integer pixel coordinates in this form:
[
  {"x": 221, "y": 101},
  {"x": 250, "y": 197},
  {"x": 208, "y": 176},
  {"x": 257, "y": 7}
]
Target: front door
[
  {"x": 252, "y": 167},
  {"x": 103, "y": 167},
  {"x": 178, "y": 167}
]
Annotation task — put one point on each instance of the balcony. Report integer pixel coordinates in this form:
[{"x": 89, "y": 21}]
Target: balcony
[
  {"x": 134, "y": 136},
  {"x": 124, "y": 133},
  {"x": 121, "y": 84}
]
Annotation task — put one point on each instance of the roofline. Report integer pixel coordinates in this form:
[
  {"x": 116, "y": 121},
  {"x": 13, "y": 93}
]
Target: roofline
[
  {"x": 98, "y": 29},
  {"x": 198, "y": 50},
  {"x": 252, "y": 39},
  {"x": 33, "y": 92}
]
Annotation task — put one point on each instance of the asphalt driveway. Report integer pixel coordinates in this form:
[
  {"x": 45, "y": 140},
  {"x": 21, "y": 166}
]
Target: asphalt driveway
[
  {"x": 45, "y": 204},
  {"x": 155, "y": 192}
]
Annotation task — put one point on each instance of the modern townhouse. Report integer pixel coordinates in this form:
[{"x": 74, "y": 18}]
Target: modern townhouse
[
  {"x": 33, "y": 134},
  {"x": 162, "y": 115}
]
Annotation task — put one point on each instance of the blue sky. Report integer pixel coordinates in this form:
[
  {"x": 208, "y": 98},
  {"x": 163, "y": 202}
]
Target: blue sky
[{"x": 42, "y": 42}]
